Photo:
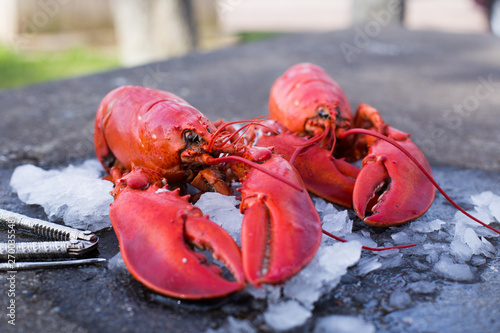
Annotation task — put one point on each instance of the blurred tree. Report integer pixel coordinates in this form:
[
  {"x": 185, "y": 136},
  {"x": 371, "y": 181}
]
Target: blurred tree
[
  {"x": 384, "y": 12},
  {"x": 150, "y": 30}
]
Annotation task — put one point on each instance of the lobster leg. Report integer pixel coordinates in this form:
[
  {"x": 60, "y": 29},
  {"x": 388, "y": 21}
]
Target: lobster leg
[
  {"x": 281, "y": 229},
  {"x": 390, "y": 185},
  {"x": 157, "y": 230}
]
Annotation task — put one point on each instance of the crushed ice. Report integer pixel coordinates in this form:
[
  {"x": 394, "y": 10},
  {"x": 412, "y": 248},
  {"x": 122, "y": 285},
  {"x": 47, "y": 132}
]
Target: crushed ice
[
  {"x": 342, "y": 324},
  {"x": 450, "y": 249},
  {"x": 76, "y": 194}
]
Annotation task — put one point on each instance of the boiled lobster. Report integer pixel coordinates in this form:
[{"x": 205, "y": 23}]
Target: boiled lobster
[
  {"x": 153, "y": 143},
  {"x": 314, "y": 122},
  {"x": 312, "y": 126}
]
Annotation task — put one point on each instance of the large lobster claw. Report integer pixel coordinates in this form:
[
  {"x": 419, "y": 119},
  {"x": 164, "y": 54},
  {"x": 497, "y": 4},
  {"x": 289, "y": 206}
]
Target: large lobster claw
[
  {"x": 390, "y": 185},
  {"x": 281, "y": 229},
  {"x": 157, "y": 230}
]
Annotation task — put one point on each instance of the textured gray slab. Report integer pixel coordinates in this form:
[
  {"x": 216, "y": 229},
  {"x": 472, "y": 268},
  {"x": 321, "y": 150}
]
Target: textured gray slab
[{"x": 429, "y": 84}]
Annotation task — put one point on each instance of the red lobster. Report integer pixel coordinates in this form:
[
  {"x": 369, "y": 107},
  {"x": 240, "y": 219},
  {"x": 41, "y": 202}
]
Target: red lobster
[
  {"x": 151, "y": 140},
  {"x": 314, "y": 121},
  {"x": 318, "y": 134}
]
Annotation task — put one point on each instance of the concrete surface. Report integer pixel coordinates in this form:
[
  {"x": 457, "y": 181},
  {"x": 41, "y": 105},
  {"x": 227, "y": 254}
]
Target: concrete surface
[{"x": 442, "y": 88}]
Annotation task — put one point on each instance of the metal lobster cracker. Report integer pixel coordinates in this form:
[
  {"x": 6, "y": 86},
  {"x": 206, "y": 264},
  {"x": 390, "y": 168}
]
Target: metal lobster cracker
[{"x": 63, "y": 242}]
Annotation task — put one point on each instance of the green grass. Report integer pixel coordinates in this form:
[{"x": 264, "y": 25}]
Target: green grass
[
  {"x": 19, "y": 69},
  {"x": 248, "y": 37},
  {"x": 23, "y": 68}
]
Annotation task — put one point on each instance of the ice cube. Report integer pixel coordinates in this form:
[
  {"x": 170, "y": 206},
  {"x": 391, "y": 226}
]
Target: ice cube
[
  {"x": 458, "y": 247},
  {"x": 447, "y": 269},
  {"x": 488, "y": 250},
  {"x": 482, "y": 216},
  {"x": 342, "y": 324},
  {"x": 323, "y": 207},
  {"x": 471, "y": 239},
  {"x": 337, "y": 258},
  {"x": 258, "y": 293},
  {"x": 286, "y": 315},
  {"x": 323, "y": 273},
  {"x": 234, "y": 325},
  {"x": 425, "y": 226},
  {"x": 483, "y": 199},
  {"x": 393, "y": 261},
  {"x": 494, "y": 207},
  {"x": 222, "y": 210},
  {"x": 363, "y": 239},
  {"x": 213, "y": 201},
  {"x": 366, "y": 265},
  {"x": 423, "y": 287},
  {"x": 399, "y": 299},
  {"x": 307, "y": 286},
  {"x": 401, "y": 238},
  {"x": 460, "y": 250},
  {"x": 305, "y": 292},
  {"x": 477, "y": 261},
  {"x": 337, "y": 223}
]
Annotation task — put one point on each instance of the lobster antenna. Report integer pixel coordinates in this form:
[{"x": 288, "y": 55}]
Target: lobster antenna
[
  {"x": 254, "y": 165},
  {"x": 414, "y": 160},
  {"x": 255, "y": 121},
  {"x": 244, "y": 128},
  {"x": 310, "y": 142},
  {"x": 229, "y": 138}
]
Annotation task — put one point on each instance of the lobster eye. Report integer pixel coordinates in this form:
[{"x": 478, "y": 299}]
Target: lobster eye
[
  {"x": 323, "y": 113},
  {"x": 191, "y": 137}
]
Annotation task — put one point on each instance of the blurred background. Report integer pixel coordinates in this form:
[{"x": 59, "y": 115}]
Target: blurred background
[{"x": 44, "y": 40}]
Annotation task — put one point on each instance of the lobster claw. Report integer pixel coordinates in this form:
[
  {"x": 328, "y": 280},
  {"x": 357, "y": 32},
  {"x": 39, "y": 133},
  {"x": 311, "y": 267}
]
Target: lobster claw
[
  {"x": 157, "y": 230},
  {"x": 390, "y": 186},
  {"x": 281, "y": 229}
]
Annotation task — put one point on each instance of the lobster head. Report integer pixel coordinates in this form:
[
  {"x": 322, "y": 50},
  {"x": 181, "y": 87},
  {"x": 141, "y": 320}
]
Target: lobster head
[
  {"x": 154, "y": 129},
  {"x": 306, "y": 100},
  {"x": 174, "y": 137}
]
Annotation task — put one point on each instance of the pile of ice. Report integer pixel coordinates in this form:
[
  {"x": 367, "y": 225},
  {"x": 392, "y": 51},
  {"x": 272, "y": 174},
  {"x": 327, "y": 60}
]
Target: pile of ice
[
  {"x": 291, "y": 305},
  {"x": 77, "y": 194},
  {"x": 448, "y": 249},
  {"x": 449, "y": 246}
]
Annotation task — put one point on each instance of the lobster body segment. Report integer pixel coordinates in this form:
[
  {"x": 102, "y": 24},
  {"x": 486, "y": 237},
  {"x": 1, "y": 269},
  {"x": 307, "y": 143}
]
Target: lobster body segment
[
  {"x": 304, "y": 97},
  {"x": 148, "y": 140},
  {"x": 132, "y": 124}
]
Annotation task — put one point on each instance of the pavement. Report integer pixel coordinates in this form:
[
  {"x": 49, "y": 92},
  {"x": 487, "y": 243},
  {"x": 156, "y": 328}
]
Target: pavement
[{"x": 443, "y": 88}]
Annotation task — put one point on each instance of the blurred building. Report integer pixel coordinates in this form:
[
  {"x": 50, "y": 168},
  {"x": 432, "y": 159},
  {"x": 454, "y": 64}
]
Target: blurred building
[{"x": 142, "y": 31}]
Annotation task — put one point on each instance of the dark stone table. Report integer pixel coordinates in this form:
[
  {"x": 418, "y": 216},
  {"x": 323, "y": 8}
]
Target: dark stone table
[{"x": 442, "y": 88}]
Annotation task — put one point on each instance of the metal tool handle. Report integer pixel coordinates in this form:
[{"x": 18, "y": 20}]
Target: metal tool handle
[
  {"x": 37, "y": 250},
  {"x": 44, "y": 228},
  {"x": 33, "y": 250},
  {"x": 6, "y": 267}
]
